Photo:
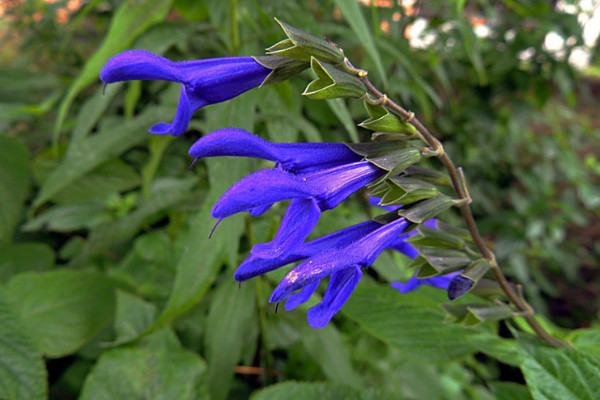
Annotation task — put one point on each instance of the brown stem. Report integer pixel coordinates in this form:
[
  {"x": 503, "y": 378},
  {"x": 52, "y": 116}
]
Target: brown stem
[{"x": 435, "y": 144}]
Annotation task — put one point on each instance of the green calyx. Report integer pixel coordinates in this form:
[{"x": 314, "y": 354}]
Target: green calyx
[
  {"x": 302, "y": 46},
  {"x": 282, "y": 68},
  {"x": 381, "y": 120},
  {"x": 332, "y": 83}
]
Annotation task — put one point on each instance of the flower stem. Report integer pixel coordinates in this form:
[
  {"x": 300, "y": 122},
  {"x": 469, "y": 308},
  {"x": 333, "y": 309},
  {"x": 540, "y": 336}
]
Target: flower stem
[{"x": 459, "y": 185}]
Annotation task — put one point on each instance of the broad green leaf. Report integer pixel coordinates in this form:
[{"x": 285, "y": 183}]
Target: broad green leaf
[
  {"x": 92, "y": 110},
  {"x": 231, "y": 318},
  {"x": 24, "y": 257},
  {"x": 85, "y": 155},
  {"x": 164, "y": 193},
  {"x": 202, "y": 257},
  {"x": 306, "y": 391},
  {"x": 417, "y": 331},
  {"x": 146, "y": 373},
  {"x": 559, "y": 373},
  {"x": 352, "y": 13},
  {"x": 321, "y": 391},
  {"x": 14, "y": 184},
  {"x": 510, "y": 391},
  {"x": 129, "y": 21},
  {"x": 132, "y": 316},
  {"x": 587, "y": 340},
  {"x": 67, "y": 218},
  {"x": 22, "y": 370},
  {"x": 112, "y": 176},
  {"x": 328, "y": 349},
  {"x": 63, "y": 309}
]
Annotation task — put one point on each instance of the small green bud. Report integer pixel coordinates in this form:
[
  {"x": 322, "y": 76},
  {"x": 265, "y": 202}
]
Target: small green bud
[{"x": 381, "y": 120}]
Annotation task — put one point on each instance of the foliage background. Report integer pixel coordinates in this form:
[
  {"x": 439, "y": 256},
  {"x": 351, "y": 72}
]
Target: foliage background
[{"x": 111, "y": 289}]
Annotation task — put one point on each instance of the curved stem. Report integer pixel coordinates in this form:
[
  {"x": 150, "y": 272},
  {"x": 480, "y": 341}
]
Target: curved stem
[{"x": 459, "y": 186}]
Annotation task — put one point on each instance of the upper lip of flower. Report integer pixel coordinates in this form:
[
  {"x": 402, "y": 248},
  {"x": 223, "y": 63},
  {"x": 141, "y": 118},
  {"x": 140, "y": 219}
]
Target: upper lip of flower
[{"x": 204, "y": 81}]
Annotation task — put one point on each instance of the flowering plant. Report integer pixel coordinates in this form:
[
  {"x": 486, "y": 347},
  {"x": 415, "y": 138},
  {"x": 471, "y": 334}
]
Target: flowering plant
[{"x": 277, "y": 236}]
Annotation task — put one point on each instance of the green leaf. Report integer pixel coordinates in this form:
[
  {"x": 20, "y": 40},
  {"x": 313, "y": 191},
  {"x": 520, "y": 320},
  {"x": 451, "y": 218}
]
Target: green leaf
[
  {"x": 332, "y": 83},
  {"x": 586, "y": 340},
  {"x": 403, "y": 321},
  {"x": 164, "y": 194},
  {"x": 22, "y": 370},
  {"x": 129, "y": 21},
  {"x": 351, "y": 12},
  {"x": 231, "y": 317},
  {"x": 109, "y": 177},
  {"x": 475, "y": 314},
  {"x": 63, "y": 309},
  {"x": 14, "y": 184},
  {"x": 92, "y": 110},
  {"x": 559, "y": 374},
  {"x": 85, "y": 155},
  {"x": 25, "y": 257},
  {"x": 132, "y": 316},
  {"x": 306, "y": 391},
  {"x": 510, "y": 391},
  {"x": 146, "y": 373},
  {"x": 343, "y": 115},
  {"x": 327, "y": 348}
]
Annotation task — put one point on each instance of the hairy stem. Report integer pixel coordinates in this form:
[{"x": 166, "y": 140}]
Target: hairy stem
[{"x": 459, "y": 186}]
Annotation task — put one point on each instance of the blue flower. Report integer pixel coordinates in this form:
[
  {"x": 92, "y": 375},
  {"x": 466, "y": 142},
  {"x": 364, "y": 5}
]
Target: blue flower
[
  {"x": 204, "y": 81},
  {"x": 351, "y": 250},
  {"x": 314, "y": 176},
  {"x": 414, "y": 283}
]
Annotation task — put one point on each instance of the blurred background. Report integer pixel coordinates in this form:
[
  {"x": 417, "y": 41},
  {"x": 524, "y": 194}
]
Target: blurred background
[{"x": 512, "y": 88}]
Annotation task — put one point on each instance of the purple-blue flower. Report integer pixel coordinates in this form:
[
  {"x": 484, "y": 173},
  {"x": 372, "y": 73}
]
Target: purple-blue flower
[
  {"x": 357, "y": 248},
  {"x": 314, "y": 176},
  {"x": 414, "y": 283},
  {"x": 204, "y": 81}
]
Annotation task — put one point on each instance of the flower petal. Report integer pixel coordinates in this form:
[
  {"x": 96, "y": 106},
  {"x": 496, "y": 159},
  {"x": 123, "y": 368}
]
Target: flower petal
[
  {"x": 233, "y": 142},
  {"x": 293, "y": 157},
  {"x": 334, "y": 185},
  {"x": 301, "y": 297},
  {"x": 140, "y": 64},
  {"x": 259, "y": 189},
  {"x": 362, "y": 252},
  {"x": 255, "y": 266},
  {"x": 414, "y": 283},
  {"x": 298, "y": 222},
  {"x": 215, "y": 80},
  {"x": 181, "y": 121},
  {"x": 341, "y": 285}
]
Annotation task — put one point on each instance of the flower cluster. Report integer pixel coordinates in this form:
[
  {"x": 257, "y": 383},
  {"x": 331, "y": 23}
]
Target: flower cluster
[{"x": 315, "y": 177}]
